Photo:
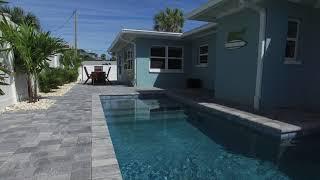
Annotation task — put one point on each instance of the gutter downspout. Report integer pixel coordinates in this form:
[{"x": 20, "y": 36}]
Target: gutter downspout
[
  {"x": 135, "y": 59},
  {"x": 261, "y": 52}
]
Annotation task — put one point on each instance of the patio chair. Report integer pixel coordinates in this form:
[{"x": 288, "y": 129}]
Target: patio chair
[
  {"x": 107, "y": 76},
  {"x": 88, "y": 75}
]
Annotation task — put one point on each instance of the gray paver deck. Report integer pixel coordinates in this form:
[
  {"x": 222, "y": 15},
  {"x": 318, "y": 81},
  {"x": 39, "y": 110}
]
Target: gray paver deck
[
  {"x": 53, "y": 144},
  {"x": 68, "y": 141}
]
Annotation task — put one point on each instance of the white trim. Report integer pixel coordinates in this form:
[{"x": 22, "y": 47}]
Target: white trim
[
  {"x": 165, "y": 71},
  {"x": 294, "y": 60},
  {"x": 202, "y": 65},
  {"x": 231, "y": 11},
  {"x": 142, "y": 32},
  {"x": 261, "y": 52},
  {"x": 199, "y": 64},
  {"x": 148, "y": 32},
  {"x": 159, "y": 34},
  {"x": 199, "y": 29},
  {"x": 135, "y": 59},
  {"x": 199, "y": 11}
]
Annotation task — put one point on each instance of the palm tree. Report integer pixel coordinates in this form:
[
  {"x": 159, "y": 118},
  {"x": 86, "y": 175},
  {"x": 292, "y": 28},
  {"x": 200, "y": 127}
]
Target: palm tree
[
  {"x": 3, "y": 72},
  {"x": 19, "y": 16},
  {"x": 170, "y": 20},
  {"x": 33, "y": 48}
]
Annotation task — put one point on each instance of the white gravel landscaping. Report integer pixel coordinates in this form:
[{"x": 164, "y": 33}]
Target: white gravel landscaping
[{"x": 43, "y": 104}]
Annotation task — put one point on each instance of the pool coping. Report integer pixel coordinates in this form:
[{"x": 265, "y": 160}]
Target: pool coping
[
  {"x": 104, "y": 162},
  {"x": 262, "y": 124}
]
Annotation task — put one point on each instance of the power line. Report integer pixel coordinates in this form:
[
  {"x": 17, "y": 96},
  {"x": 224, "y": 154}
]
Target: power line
[{"x": 64, "y": 24}]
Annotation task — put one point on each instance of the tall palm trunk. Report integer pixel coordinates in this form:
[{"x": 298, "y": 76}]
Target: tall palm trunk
[
  {"x": 35, "y": 89},
  {"x": 30, "y": 93}
]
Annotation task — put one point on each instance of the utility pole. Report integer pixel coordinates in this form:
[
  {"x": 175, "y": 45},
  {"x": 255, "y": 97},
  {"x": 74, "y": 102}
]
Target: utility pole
[{"x": 75, "y": 33}]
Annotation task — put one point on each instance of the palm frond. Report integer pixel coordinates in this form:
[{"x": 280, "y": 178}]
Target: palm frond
[
  {"x": 3, "y": 2},
  {"x": 169, "y": 20},
  {"x": 2, "y": 78}
]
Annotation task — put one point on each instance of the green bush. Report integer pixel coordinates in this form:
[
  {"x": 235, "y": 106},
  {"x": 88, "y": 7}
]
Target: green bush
[{"x": 54, "y": 77}]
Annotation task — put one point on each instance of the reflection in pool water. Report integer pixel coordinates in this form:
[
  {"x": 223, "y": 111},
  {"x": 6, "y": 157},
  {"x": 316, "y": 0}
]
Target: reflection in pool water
[{"x": 159, "y": 138}]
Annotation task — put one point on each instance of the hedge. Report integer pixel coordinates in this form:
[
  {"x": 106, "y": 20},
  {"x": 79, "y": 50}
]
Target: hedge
[{"x": 54, "y": 77}]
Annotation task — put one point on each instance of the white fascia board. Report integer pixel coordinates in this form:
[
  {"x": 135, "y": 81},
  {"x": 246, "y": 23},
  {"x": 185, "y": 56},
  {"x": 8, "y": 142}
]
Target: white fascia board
[
  {"x": 202, "y": 8},
  {"x": 143, "y": 32},
  {"x": 114, "y": 42},
  {"x": 148, "y": 32},
  {"x": 199, "y": 29}
]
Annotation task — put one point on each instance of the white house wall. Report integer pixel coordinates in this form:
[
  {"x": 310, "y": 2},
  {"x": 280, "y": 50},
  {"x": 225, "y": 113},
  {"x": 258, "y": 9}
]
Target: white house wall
[
  {"x": 54, "y": 61},
  {"x": 17, "y": 89},
  {"x": 90, "y": 68}
]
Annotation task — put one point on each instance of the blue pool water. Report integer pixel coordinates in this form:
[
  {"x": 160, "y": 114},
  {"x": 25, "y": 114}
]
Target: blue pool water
[{"x": 158, "y": 138}]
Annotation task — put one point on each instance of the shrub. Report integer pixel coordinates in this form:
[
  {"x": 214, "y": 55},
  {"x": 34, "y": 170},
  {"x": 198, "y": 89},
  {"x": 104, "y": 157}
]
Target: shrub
[{"x": 53, "y": 77}]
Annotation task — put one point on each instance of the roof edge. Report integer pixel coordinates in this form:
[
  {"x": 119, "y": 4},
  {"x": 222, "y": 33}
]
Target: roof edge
[
  {"x": 159, "y": 33},
  {"x": 142, "y": 32},
  {"x": 199, "y": 29},
  {"x": 202, "y": 8}
]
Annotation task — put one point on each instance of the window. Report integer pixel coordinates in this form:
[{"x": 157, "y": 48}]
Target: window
[
  {"x": 166, "y": 59},
  {"x": 129, "y": 60},
  {"x": 203, "y": 55},
  {"x": 292, "y": 41},
  {"x": 119, "y": 70},
  {"x": 119, "y": 65},
  {"x": 175, "y": 58},
  {"x": 98, "y": 68},
  {"x": 158, "y": 58}
]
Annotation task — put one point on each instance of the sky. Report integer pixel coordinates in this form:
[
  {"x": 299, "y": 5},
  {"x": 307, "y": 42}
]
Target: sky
[{"x": 99, "y": 21}]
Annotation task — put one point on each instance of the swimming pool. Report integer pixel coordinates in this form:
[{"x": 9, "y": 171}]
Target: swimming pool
[{"x": 155, "y": 137}]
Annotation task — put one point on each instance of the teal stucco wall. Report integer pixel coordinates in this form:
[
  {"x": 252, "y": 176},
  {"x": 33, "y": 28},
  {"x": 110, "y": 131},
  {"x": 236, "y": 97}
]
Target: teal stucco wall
[
  {"x": 235, "y": 70},
  {"x": 161, "y": 80},
  {"x": 291, "y": 85},
  {"x": 312, "y": 64},
  {"x": 206, "y": 74}
]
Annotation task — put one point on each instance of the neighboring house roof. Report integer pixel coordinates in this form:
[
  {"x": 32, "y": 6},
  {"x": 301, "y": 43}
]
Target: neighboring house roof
[
  {"x": 127, "y": 35},
  {"x": 98, "y": 63}
]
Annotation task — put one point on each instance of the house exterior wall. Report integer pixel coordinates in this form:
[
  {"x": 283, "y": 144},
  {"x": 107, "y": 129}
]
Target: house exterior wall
[
  {"x": 161, "y": 80},
  {"x": 17, "y": 89},
  {"x": 312, "y": 63},
  {"x": 127, "y": 75},
  {"x": 206, "y": 74},
  {"x": 235, "y": 70},
  {"x": 291, "y": 85}
]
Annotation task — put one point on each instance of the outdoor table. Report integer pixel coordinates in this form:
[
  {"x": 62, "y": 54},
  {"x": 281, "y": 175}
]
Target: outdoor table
[{"x": 98, "y": 78}]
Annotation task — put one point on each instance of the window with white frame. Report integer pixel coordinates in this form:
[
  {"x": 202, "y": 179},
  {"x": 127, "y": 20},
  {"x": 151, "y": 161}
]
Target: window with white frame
[
  {"x": 166, "y": 59},
  {"x": 203, "y": 55},
  {"x": 292, "y": 41},
  {"x": 175, "y": 57},
  {"x": 119, "y": 65},
  {"x": 129, "y": 59}
]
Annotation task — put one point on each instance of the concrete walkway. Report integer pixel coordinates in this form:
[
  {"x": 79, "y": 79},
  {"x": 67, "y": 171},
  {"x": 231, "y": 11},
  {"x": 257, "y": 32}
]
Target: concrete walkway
[{"x": 52, "y": 144}]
